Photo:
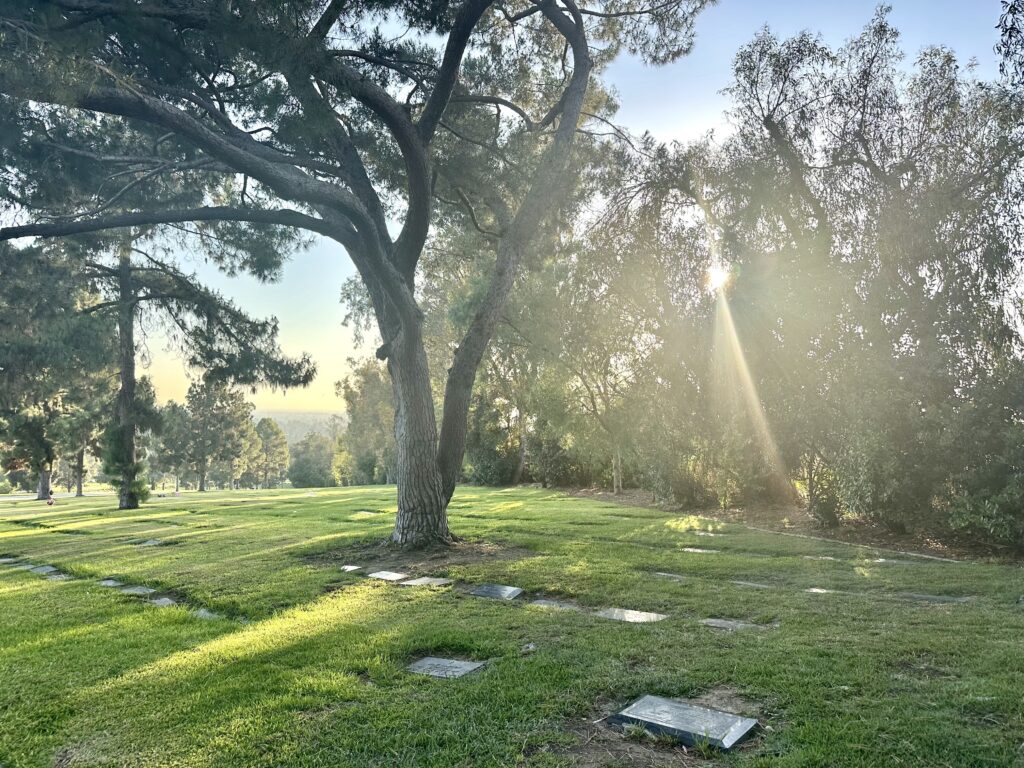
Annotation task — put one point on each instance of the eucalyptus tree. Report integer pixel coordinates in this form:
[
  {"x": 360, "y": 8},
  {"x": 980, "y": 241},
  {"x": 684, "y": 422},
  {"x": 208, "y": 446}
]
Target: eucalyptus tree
[
  {"x": 869, "y": 212},
  {"x": 310, "y": 117}
]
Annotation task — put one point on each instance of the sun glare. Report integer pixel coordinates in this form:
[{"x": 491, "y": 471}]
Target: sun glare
[{"x": 718, "y": 276}]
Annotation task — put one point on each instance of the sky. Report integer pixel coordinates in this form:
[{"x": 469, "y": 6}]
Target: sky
[{"x": 680, "y": 101}]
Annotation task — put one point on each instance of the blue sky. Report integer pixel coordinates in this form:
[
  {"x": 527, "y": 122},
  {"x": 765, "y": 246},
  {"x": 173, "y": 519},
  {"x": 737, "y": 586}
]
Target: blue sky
[{"x": 677, "y": 102}]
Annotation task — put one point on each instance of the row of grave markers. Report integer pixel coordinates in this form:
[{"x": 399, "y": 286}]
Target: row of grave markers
[{"x": 687, "y": 722}]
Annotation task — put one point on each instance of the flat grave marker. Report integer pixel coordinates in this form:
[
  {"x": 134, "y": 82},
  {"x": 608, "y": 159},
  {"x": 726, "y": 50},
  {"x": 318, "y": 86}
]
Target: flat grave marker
[
  {"x": 633, "y": 617},
  {"x": 8, "y": 560},
  {"x": 688, "y": 723},
  {"x": 59, "y": 577},
  {"x": 111, "y": 583},
  {"x": 934, "y": 598},
  {"x": 44, "y": 569},
  {"x": 556, "y": 605},
  {"x": 207, "y": 614},
  {"x": 149, "y": 543},
  {"x": 388, "y": 576},
  {"x": 350, "y": 568},
  {"x": 138, "y": 590},
  {"x": 497, "y": 591},
  {"x": 443, "y": 668},
  {"x": 670, "y": 576},
  {"x": 731, "y": 625},
  {"x": 702, "y": 551},
  {"x": 427, "y": 581},
  {"x": 23, "y": 567},
  {"x": 162, "y": 602},
  {"x": 828, "y": 558}
]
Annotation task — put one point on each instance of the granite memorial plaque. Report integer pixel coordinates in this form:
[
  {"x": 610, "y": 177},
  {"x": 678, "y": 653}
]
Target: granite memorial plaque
[
  {"x": 633, "y": 617},
  {"x": 44, "y": 569},
  {"x": 497, "y": 591},
  {"x": 444, "y": 668},
  {"x": 8, "y": 560},
  {"x": 730, "y": 625},
  {"x": 557, "y": 605},
  {"x": 752, "y": 585},
  {"x": 58, "y": 577},
  {"x": 427, "y": 581},
  {"x": 137, "y": 590},
  {"x": 388, "y": 576},
  {"x": 162, "y": 602},
  {"x": 350, "y": 568},
  {"x": 934, "y": 598},
  {"x": 689, "y": 723},
  {"x": 700, "y": 551},
  {"x": 111, "y": 583}
]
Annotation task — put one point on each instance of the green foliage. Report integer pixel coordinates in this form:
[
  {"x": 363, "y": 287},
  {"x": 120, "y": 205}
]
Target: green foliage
[
  {"x": 312, "y": 462},
  {"x": 366, "y": 451}
]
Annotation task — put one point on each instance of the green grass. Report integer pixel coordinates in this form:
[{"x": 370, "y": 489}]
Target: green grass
[{"x": 91, "y": 677}]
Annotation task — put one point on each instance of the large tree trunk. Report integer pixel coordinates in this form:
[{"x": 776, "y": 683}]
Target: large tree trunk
[
  {"x": 422, "y": 517},
  {"x": 80, "y": 472},
  {"x": 43, "y": 491},
  {"x": 127, "y": 497},
  {"x": 202, "y": 475}
]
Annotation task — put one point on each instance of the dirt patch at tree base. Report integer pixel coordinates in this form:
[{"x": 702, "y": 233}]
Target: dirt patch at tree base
[{"x": 418, "y": 562}]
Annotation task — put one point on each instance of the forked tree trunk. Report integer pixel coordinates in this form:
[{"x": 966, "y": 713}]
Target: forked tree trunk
[
  {"x": 80, "y": 472},
  {"x": 127, "y": 498}
]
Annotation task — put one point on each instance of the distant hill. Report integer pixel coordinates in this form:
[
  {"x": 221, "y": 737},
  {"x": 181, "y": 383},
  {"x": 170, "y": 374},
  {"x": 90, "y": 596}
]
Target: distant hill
[{"x": 298, "y": 424}]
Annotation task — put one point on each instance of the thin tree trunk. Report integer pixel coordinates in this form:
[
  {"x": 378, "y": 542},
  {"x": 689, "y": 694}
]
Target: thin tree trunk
[
  {"x": 176, "y": 482},
  {"x": 517, "y": 476},
  {"x": 617, "y": 472},
  {"x": 202, "y": 475},
  {"x": 80, "y": 472},
  {"x": 127, "y": 497}
]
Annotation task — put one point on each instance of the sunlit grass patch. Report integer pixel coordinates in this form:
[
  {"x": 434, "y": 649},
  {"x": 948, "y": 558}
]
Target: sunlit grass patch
[{"x": 317, "y": 677}]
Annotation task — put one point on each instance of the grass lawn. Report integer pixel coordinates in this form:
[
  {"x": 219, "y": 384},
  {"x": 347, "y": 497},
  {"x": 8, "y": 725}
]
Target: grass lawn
[{"x": 306, "y": 667}]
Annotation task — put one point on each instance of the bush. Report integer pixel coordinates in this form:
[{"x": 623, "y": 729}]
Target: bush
[{"x": 5, "y": 488}]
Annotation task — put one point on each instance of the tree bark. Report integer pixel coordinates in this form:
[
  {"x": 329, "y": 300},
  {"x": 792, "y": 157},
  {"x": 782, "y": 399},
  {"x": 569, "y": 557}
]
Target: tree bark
[
  {"x": 617, "y": 471},
  {"x": 43, "y": 491},
  {"x": 202, "y": 475},
  {"x": 422, "y": 517},
  {"x": 127, "y": 497},
  {"x": 80, "y": 472}
]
